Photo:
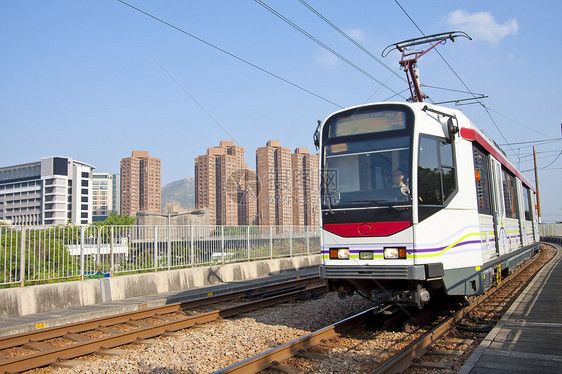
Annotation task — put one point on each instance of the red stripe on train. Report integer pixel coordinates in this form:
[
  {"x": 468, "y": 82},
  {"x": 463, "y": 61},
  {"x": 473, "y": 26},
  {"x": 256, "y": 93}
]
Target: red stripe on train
[{"x": 349, "y": 230}]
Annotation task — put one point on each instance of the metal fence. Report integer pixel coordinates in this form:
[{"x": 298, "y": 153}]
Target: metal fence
[
  {"x": 551, "y": 229},
  {"x": 32, "y": 254}
]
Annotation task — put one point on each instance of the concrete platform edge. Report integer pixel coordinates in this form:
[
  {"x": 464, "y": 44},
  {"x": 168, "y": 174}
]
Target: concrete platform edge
[
  {"x": 477, "y": 354},
  {"x": 17, "y": 302}
]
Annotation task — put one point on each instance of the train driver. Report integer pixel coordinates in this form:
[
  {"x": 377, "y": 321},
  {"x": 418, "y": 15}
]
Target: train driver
[{"x": 397, "y": 178}]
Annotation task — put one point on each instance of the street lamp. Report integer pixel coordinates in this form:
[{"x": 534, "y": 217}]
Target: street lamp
[{"x": 198, "y": 213}]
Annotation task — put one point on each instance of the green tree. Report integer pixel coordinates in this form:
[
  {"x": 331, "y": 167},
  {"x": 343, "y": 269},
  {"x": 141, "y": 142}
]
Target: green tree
[{"x": 115, "y": 219}]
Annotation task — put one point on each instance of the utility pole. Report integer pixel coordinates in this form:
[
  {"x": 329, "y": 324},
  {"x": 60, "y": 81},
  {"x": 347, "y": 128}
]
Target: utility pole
[{"x": 537, "y": 183}]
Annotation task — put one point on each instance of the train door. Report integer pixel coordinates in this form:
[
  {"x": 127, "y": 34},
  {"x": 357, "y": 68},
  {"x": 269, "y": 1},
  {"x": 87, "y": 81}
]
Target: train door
[{"x": 498, "y": 207}]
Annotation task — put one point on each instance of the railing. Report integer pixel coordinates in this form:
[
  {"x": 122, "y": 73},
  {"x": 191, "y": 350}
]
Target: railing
[
  {"x": 551, "y": 232},
  {"x": 40, "y": 254}
]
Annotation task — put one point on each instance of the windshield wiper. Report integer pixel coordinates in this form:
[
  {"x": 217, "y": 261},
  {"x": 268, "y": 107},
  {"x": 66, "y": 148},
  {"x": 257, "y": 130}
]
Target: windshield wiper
[
  {"x": 378, "y": 202},
  {"x": 385, "y": 203}
]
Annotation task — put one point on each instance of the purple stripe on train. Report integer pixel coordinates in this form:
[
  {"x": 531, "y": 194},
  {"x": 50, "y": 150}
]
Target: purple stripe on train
[{"x": 429, "y": 250}]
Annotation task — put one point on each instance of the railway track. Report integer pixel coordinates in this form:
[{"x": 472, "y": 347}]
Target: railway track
[
  {"x": 349, "y": 346},
  {"x": 39, "y": 348}
]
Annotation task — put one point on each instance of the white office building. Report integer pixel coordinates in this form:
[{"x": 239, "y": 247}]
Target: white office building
[
  {"x": 105, "y": 195},
  {"x": 53, "y": 191}
]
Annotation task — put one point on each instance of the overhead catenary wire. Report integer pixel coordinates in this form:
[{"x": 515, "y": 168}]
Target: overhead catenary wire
[
  {"x": 357, "y": 44},
  {"x": 455, "y": 73},
  {"x": 545, "y": 167},
  {"x": 539, "y": 153},
  {"x": 379, "y": 88},
  {"x": 519, "y": 123},
  {"x": 193, "y": 98},
  {"x": 323, "y": 45},
  {"x": 231, "y": 54},
  {"x": 536, "y": 142}
]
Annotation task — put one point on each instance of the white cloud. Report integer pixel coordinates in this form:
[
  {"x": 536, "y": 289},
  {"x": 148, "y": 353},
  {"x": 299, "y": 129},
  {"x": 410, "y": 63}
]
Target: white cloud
[
  {"x": 481, "y": 25},
  {"x": 356, "y": 34},
  {"x": 327, "y": 58}
]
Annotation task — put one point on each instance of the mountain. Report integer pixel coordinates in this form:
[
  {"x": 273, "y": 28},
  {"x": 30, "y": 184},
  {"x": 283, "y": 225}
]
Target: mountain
[{"x": 180, "y": 192}]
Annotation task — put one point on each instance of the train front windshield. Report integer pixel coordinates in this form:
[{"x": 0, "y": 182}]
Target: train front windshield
[{"x": 367, "y": 158}]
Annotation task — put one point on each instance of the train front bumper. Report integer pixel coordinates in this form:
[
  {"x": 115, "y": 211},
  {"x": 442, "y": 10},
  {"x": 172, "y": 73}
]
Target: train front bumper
[{"x": 402, "y": 272}]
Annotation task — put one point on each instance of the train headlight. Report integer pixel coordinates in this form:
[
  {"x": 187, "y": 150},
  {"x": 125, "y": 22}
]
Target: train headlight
[
  {"x": 394, "y": 253},
  {"x": 339, "y": 253}
]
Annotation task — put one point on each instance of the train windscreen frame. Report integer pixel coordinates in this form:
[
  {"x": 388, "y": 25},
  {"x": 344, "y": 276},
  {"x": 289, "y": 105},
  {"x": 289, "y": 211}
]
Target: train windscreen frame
[{"x": 367, "y": 169}]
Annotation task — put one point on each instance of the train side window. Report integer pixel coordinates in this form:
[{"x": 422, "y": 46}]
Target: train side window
[
  {"x": 509, "y": 195},
  {"x": 482, "y": 175},
  {"x": 447, "y": 169},
  {"x": 527, "y": 203},
  {"x": 429, "y": 178},
  {"x": 436, "y": 171}
]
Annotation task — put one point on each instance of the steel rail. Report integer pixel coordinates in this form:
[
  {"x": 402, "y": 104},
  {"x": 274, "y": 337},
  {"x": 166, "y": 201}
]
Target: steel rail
[
  {"x": 396, "y": 364},
  {"x": 76, "y": 327},
  {"x": 287, "y": 350},
  {"x": 83, "y": 345},
  {"x": 402, "y": 361}
]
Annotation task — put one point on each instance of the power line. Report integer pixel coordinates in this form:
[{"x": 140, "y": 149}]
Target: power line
[
  {"x": 345, "y": 35},
  {"x": 230, "y": 54},
  {"x": 458, "y": 77},
  {"x": 193, "y": 98},
  {"x": 554, "y": 160},
  {"x": 545, "y": 167},
  {"x": 537, "y": 142},
  {"x": 323, "y": 45},
  {"x": 378, "y": 89},
  {"x": 519, "y": 123},
  {"x": 447, "y": 89},
  {"x": 538, "y": 153}
]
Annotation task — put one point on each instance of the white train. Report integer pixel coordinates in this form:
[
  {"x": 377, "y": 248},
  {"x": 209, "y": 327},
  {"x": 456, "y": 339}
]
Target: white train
[{"x": 417, "y": 201}]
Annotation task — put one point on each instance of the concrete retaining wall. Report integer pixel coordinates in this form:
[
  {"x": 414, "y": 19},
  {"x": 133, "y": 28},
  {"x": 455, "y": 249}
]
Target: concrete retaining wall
[{"x": 49, "y": 297}]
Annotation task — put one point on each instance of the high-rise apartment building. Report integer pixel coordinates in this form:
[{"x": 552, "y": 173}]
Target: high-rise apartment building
[
  {"x": 275, "y": 187},
  {"x": 305, "y": 188},
  {"x": 105, "y": 195},
  {"x": 140, "y": 184},
  {"x": 53, "y": 191},
  {"x": 221, "y": 185}
]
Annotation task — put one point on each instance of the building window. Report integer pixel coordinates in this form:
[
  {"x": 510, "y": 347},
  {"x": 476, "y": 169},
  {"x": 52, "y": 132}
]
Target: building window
[
  {"x": 84, "y": 199},
  {"x": 85, "y": 174},
  {"x": 84, "y": 206},
  {"x": 84, "y": 191},
  {"x": 84, "y": 183}
]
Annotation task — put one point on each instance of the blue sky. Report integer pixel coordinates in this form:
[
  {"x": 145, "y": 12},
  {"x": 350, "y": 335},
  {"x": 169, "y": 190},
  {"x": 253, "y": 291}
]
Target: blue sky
[{"x": 93, "y": 80}]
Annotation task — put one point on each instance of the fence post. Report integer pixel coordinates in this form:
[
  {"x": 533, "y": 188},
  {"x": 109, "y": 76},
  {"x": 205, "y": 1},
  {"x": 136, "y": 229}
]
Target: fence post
[
  {"x": 169, "y": 246},
  {"x": 307, "y": 240},
  {"x": 22, "y": 256},
  {"x": 111, "y": 259},
  {"x": 82, "y": 233},
  {"x": 248, "y": 240},
  {"x": 290, "y": 241},
  {"x": 192, "y": 254},
  {"x": 155, "y": 248},
  {"x": 98, "y": 260},
  {"x": 271, "y": 241},
  {"x": 222, "y": 244}
]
